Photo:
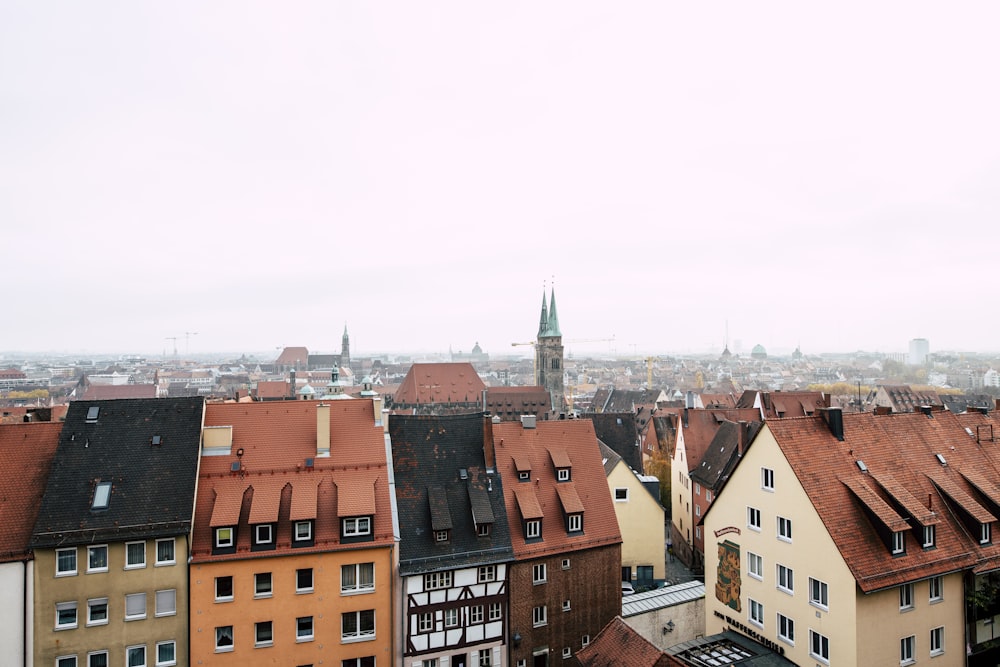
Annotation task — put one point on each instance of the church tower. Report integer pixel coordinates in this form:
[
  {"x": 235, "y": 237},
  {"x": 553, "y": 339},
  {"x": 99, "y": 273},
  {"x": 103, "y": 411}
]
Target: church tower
[
  {"x": 345, "y": 350},
  {"x": 549, "y": 355}
]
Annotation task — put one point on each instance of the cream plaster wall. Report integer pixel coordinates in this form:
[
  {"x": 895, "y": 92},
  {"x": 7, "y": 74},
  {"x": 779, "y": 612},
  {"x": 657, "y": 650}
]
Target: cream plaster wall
[
  {"x": 641, "y": 521},
  {"x": 12, "y": 619},
  {"x": 688, "y": 623},
  {"x": 680, "y": 489}
]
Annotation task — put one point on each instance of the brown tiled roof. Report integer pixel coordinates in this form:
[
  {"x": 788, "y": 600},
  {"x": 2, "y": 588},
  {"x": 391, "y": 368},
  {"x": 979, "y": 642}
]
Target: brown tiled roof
[
  {"x": 899, "y": 451},
  {"x": 618, "y": 645},
  {"x": 702, "y": 425},
  {"x": 568, "y": 498},
  {"x": 27, "y": 451},
  {"x": 271, "y": 389},
  {"x": 440, "y": 383},
  {"x": 540, "y": 495},
  {"x": 100, "y": 392},
  {"x": 292, "y": 356},
  {"x": 277, "y": 439}
]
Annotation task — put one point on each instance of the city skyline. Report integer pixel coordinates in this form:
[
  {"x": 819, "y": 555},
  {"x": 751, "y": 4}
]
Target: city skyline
[{"x": 262, "y": 175}]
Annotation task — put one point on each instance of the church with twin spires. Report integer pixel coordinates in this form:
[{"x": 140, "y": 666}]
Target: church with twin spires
[{"x": 549, "y": 367}]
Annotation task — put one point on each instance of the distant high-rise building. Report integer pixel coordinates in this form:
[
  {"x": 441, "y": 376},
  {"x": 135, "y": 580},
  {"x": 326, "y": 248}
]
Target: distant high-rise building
[
  {"x": 549, "y": 355},
  {"x": 919, "y": 350}
]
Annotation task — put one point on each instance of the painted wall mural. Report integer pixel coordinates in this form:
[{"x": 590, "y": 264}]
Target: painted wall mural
[{"x": 727, "y": 581}]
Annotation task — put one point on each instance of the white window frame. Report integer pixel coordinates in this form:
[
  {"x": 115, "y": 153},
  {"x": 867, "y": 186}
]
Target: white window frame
[
  {"x": 819, "y": 594},
  {"x": 621, "y": 494},
  {"x": 305, "y": 637},
  {"x": 486, "y": 573},
  {"x": 172, "y": 661},
  {"x": 495, "y": 611},
  {"x": 574, "y": 523},
  {"x": 360, "y": 635},
  {"x": 567, "y": 652},
  {"x": 785, "y": 579},
  {"x": 67, "y": 606},
  {"x": 97, "y": 602},
  {"x": 819, "y": 647},
  {"x": 356, "y": 526},
  {"x": 905, "y": 597},
  {"x": 128, "y": 655},
  {"x": 567, "y": 605},
  {"x": 985, "y": 533},
  {"x": 135, "y": 566},
  {"x": 312, "y": 581},
  {"x": 451, "y": 618},
  {"x": 755, "y": 565},
  {"x": 708, "y": 495},
  {"x": 102, "y": 496},
  {"x": 303, "y": 536},
  {"x": 168, "y": 597},
  {"x": 258, "y": 579},
  {"x": 756, "y": 613},
  {"x": 898, "y": 543},
  {"x": 359, "y": 586},
  {"x": 767, "y": 479},
  {"x": 539, "y": 573},
  {"x": 220, "y": 632},
  {"x": 173, "y": 552},
  {"x": 66, "y": 661},
  {"x": 94, "y": 654},
  {"x": 930, "y": 536},
  {"x": 784, "y": 529},
  {"x": 76, "y": 565},
  {"x": 562, "y": 475},
  {"x": 232, "y": 590},
  {"x": 907, "y": 645},
  {"x": 539, "y": 616},
  {"x": 753, "y": 518},
  {"x": 485, "y": 659},
  {"x": 476, "y": 614},
  {"x": 263, "y": 533},
  {"x": 937, "y": 640},
  {"x": 257, "y": 628},
  {"x": 935, "y": 589},
  {"x": 786, "y": 629},
  {"x": 425, "y": 622},
  {"x": 532, "y": 528},
  {"x": 221, "y": 543},
  {"x": 437, "y": 580},
  {"x": 96, "y": 549},
  {"x": 135, "y": 597}
]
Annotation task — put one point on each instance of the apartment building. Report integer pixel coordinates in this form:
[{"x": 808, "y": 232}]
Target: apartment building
[
  {"x": 856, "y": 539},
  {"x": 111, "y": 537},
  {"x": 293, "y": 546}
]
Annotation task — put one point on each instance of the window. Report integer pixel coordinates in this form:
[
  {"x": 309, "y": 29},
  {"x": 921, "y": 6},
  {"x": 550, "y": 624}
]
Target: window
[
  {"x": 697, "y": 489},
  {"x": 263, "y": 633},
  {"x": 756, "y": 613},
  {"x": 425, "y": 622},
  {"x": 135, "y": 555},
  {"x": 304, "y": 580},
  {"x": 223, "y": 538},
  {"x": 135, "y": 606},
  {"x": 262, "y": 585},
  {"x": 102, "y": 496},
  {"x": 356, "y": 526},
  {"x": 767, "y": 479},
  {"x": 223, "y": 589},
  {"x": 562, "y": 474},
  {"x": 484, "y": 657},
  {"x": 786, "y": 580},
  {"x": 567, "y": 652},
  {"x": 819, "y": 593},
  {"x": 565, "y": 563},
  {"x": 441, "y": 535},
  {"x": 304, "y": 628},
  {"x": 435, "y": 580},
  {"x": 369, "y": 661},
  {"x": 697, "y": 509},
  {"x": 97, "y": 611},
  {"x": 538, "y": 573},
  {"x": 476, "y": 614},
  {"x": 585, "y": 641},
  {"x": 97, "y": 659},
  {"x": 755, "y": 565},
  {"x": 937, "y": 641},
  {"x": 574, "y": 523},
  {"x": 786, "y": 629},
  {"x": 165, "y": 552},
  {"x": 538, "y": 616},
  {"x": 929, "y": 536},
  {"x": 483, "y": 529},
  {"x": 431, "y": 662},
  {"x": 303, "y": 531},
  {"x": 621, "y": 494},
  {"x": 708, "y": 496},
  {"x": 784, "y": 529},
  {"x": 92, "y": 413},
  {"x": 496, "y": 611},
  {"x": 66, "y": 661},
  {"x": 166, "y": 653},
  {"x": 65, "y": 562},
  {"x": 487, "y": 573},
  {"x": 263, "y": 534},
  {"x": 819, "y": 646},
  {"x": 523, "y": 475},
  {"x": 906, "y": 650},
  {"x": 450, "y": 618},
  {"x": 166, "y": 602},
  {"x": 697, "y": 532},
  {"x": 566, "y": 605},
  {"x": 357, "y": 625},
  {"x": 898, "y": 543},
  {"x": 984, "y": 533},
  {"x": 936, "y": 589},
  {"x": 753, "y": 518},
  {"x": 532, "y": 528},
  {"x": 135, "y": 656},
  {"x": 224, "y": 638},
  {"x": 357, "y": 578},
  {"x": 65, "y": 615},
  {"x": 905, "y": 597},
  {"x": 97, "y": 558}
]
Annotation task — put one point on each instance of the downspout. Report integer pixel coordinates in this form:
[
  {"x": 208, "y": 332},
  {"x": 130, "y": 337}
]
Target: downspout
[{"x": 29, "y": 606}]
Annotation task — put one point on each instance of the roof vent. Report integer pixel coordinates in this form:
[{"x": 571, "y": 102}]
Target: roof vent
[
  {"x": 310, "y": 463},
  {"x": 940, "y": 458},
  {"x": 156, "y": 441},
  {"x": 528, "y": 421},
  {"x": 235, "y": 467},
  {"x": 463, "y": 473},
  {"x": 861, "y": 465}
]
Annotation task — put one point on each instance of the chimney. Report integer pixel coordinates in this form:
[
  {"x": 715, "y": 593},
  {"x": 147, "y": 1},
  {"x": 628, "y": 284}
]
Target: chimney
[
  {"x": 741, "y": 437},
  {"x": 322, "y": 429},
  {"x": 291, "y": 390},
  {"x": 883, "y": 410},
  {"x": 689, "y": 399},
  {"x": 527, "y": 421},
  {"x": 926, "y": 409},
  {"x": 685, "y": 420},
  {"x": 834, "y": 418},
  {"x": 489, "y": 453}
]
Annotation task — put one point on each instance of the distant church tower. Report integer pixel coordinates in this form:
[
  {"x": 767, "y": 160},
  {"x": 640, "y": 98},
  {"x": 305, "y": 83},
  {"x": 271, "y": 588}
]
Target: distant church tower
[
  {"x": 345, "y": 350},
  {"x": 549, "y": 355}
]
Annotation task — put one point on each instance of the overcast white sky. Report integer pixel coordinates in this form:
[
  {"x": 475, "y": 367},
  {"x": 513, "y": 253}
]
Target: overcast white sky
[{"x": 263, "y": 173}]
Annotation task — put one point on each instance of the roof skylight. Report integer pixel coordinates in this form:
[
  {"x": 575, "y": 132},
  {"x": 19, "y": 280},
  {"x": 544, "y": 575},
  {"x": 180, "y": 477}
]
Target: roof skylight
[{"x": 102, "y": 496}]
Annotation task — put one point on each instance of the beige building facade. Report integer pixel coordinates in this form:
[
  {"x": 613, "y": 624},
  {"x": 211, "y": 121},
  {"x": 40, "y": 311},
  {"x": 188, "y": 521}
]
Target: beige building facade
[{"x": 640, "y": 519}]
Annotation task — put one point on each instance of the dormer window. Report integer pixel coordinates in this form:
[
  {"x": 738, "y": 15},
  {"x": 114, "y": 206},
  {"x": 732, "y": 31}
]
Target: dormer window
[
  {"x": 102, "y": 496},
  {"x": 898, "y": 543},
  {"x": 574, "y": 523},
  {"x": 929, "y": 536},
  {"x": 441, "y": 536},
  {"x": 532, "y": 529},
  {"x": 562, "y": 474},
  {"x": 263, "y": 536},
  {"x": 225, "y": 538},
  {"x": 356, "y": 526},
  {"x": 985, "y": 533},
  {"x": 483, "y": 530},
  {"x": 302, "y": 533},
  {"x": 523, "y": 476}
]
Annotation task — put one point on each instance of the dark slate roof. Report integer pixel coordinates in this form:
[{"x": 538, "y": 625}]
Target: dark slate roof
[
  {"x": 618, "y": 430},
  {"x": 959, "y": 403},
  {"x": 430, "y": 456},
  {"x": 152, "y": 491},
  {"x": 720, "y": 458}
]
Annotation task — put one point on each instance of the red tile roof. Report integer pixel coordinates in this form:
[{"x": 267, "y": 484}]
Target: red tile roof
[
  {"x": 702, "y": 425},
  {"x": 440, "y": 383},
  {"x": 27, "y": 451},
  {"x": 100, "y": 392},
  {"x": 618, "y": 645},
  {"x": 277, "y": 481},
  {"x": 293, "y": 356},
  {"x": 899, "y": 451},
  {"x": 540, "y": 495}
]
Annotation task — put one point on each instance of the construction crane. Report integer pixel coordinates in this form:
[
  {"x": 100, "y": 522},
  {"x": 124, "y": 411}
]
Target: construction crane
[
  {"x": 187, "y": 341},
  {"x": 173, "y": 338}
]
